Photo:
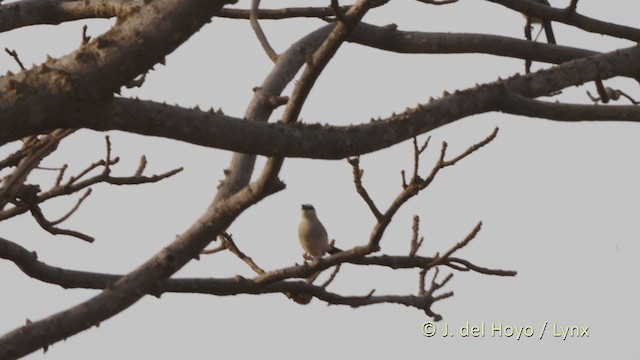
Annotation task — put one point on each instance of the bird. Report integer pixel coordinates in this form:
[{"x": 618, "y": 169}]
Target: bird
[
  {"x": 546, "y": 24},
  {"x": 313, "y": 236}
]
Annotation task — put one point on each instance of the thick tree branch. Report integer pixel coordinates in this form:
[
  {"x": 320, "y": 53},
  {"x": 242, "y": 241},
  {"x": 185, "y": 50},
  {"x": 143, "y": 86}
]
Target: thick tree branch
[
  {"x": 76, "y": 91},
  {"x": 10, "y": 130},
  {"x": 262, "y": 105},
  {"x": 520, "y": 105},
  {"x": 389, "y": 38},
  {"x": 570, "y": 17},
  {"x": 29, "y": 263},
  {"x": 187, "y": 16},
  {"x": 37, "y": 12},
  {"x": 277, "y": 14},
  {"x": 40, "y": 12},
  {"x": 336, "y": 142},
  {"x": 130, "y": 288},
  {"x": 91, "y": 74},
  {"x": 316, "y": 63}
]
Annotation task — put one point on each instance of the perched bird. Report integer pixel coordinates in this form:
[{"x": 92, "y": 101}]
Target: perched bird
[
  {"x": 546, "y": 24},
  {"x": 313, "y": 235}
]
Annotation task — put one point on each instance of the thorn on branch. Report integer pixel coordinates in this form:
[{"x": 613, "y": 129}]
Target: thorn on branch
[
  {"x": 137, "y": 82},
  {"x": 85, "y": 38}
]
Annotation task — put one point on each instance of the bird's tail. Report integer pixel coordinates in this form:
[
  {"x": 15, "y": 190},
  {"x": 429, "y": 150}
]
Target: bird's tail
[{"x": 334, "y": 250}]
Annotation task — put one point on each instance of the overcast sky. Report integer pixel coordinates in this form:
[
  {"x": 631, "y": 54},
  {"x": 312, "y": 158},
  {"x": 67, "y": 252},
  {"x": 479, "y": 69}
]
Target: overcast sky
[{"x": 559, "y": 204}]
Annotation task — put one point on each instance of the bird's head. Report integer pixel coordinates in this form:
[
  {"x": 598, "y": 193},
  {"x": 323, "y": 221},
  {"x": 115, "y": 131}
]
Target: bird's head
[{"x": 308, "y": 210}]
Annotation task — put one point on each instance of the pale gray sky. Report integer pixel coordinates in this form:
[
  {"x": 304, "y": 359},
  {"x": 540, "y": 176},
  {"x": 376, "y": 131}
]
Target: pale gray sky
[{"x": 559, "y": 204}]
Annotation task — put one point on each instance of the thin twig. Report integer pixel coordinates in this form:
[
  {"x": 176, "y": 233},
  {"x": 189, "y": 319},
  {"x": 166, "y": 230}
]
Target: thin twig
[
  {"x": 417, "y": 151},
  {"x": 253, "y": 19},
  {"x": 331, "y": 277},
  {"x": 42, "y": 149},
  {"x": 15, "y": 56},
  {"x": 421, "y": 282},
  {"x": 107, "y": 162},
  {"x": 60, "y": 176},
  {"x": 73, "y": 210},
  {"x": 73, "y": 186},
  {"x": 439, "y": 259},
  {"x": 231, "y": 245},
  {"x": 141, "y": 166},
  {"x": 471, "y": 149},
  {"x": 415, "y": 242},
  {"x": 217, "y": 249},
  {"x": 48, "y": 226},
  {"x": 73, "y": 179},
  {"x": 357, "y": 180}
]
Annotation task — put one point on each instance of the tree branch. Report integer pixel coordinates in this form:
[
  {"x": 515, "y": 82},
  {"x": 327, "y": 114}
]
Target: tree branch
[
  {"x": 29, "y": 263},
  {"x": 36, "y": 12},
  {"x": 519, "y": 105},
  {"x": 357, "y": 180},
  {"x": 91, "y": 74},
  {"x": 262, "y": 38},
  {"x": 74, "y": 184},
  {"x": 570, "y": 17},
  {"x": 283, "y": 140}
]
